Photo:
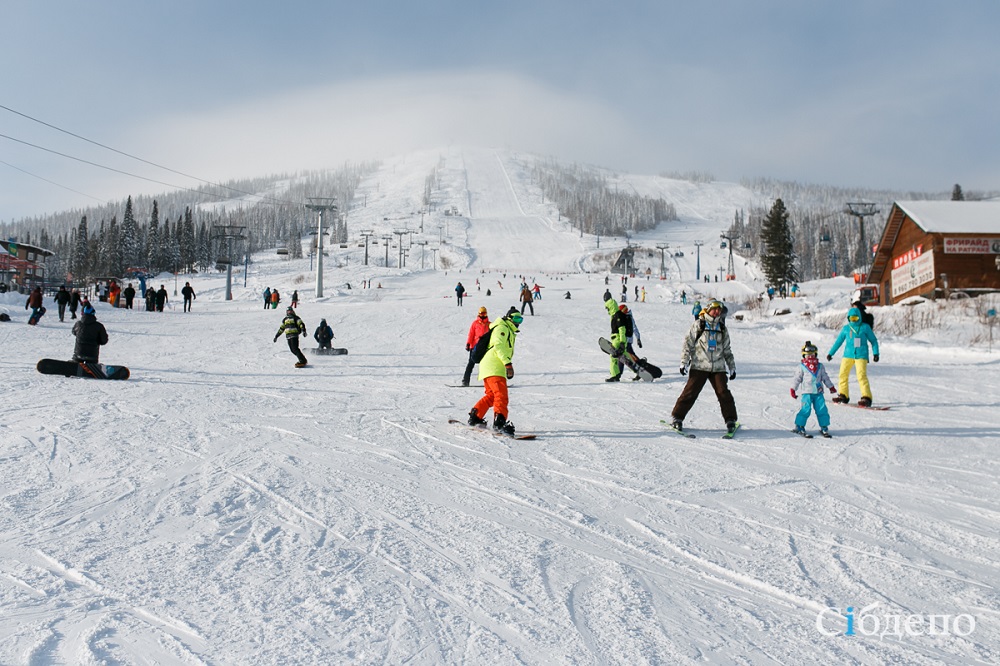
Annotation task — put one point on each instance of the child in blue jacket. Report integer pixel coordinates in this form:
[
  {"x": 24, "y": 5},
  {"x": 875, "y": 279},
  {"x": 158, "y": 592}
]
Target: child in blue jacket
[
  {"x": 810, "y": 378},
  {"x": 855, "y": 336}
]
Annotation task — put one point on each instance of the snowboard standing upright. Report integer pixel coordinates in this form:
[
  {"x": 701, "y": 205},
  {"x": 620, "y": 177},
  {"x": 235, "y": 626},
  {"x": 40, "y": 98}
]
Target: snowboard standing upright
[{"x": 640, "y": 366}]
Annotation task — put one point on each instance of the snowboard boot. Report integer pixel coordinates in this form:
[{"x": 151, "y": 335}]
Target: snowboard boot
[
  {"x": 730, "y": 427},
  {"x": 474, "y": 419},
  {"x": 841, "y": 398},
  {"x": 300, "y": 365},
  {"x": 636, "y": 378},
  {"x": 614, "y": 378},
  {"x": 865, "y": 401},
  {"x": 501, "y": 424},
  {"x": 677, "y": 425},
  {"x": 825, "y": 432}
]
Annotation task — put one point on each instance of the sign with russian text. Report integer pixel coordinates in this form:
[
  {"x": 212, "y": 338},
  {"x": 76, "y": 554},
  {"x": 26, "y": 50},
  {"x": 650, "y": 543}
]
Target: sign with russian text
[
  {"x": 913, "y": 274},
  {"x": 972, "y": 245},
  {"x": 907, "y": 256}
]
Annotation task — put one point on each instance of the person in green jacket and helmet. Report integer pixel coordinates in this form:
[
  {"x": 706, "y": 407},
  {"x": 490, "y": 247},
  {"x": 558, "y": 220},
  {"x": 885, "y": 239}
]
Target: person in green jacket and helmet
[{"x": 495, "y": 369}]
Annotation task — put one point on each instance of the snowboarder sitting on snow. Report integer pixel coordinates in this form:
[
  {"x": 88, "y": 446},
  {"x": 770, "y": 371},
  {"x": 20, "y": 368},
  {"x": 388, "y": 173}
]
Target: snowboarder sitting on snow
[
  {"x": 480, "y": 326},
  {"x": 495, "y": 369},
  {"x": 323, "y": 334},
  {"x": 90, "y": 335},
  {"x": 810, "y": 378},
  {"x": 293, "y": 327},
  {"x": 855, "y": 336},
  {"x": 707, "y": 351}
]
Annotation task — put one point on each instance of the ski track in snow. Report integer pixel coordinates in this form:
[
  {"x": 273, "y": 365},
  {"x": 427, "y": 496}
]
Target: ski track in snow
[{"x": 222, "y": 505}]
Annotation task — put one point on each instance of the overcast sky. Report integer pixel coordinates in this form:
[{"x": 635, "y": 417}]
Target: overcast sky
[{"x": 897, "y": 94}]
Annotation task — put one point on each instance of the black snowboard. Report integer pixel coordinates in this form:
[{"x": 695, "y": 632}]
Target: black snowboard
[
  {"x": 333, "y": 351},
  {"x": 50, "y": 366},
  {"x": 639, "y": 366}
]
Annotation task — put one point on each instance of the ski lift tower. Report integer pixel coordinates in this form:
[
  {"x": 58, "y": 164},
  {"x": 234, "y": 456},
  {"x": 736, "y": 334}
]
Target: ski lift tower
[
  {"x": 861, "y": 211},
  {"x": 697, "y": 261},
  {"x": 367, "y": 234},
  {"x": 226, "y": 234},
  {"x": 663, "y": 269},
  {"x": 731, "y": 267},
  {"x": 321, "y": 205}
]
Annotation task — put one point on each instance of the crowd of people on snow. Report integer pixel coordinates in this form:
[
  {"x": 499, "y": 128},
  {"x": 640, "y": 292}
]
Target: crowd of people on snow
[
  {"x": 706, "y": 358},
  {"x": 706, "y": 351}
]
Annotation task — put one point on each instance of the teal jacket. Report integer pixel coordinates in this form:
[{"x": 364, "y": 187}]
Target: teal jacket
[{"x": 857, "y": 336}]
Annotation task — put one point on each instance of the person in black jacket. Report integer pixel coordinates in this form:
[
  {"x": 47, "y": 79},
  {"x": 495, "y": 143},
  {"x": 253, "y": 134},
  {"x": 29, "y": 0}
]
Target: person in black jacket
[
  {"x": 62, "y": 299},
  {"x": 161, "y": 298},
  {"x": 150, "y": 296},
  {"x": 324, "y": 335},
  {"x": 90, "y": 335},
  {"x": 866, "y": 317},
  {"x": 189, "y": 296},
  {"x": 74, "y": 302},
  {"x": 129, "y": 292}
]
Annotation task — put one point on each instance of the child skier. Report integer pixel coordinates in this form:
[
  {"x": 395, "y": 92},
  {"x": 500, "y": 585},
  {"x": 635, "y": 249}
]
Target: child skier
[
  {"x": 811, "y": 377},
  {"x": 855, "y": 336}
]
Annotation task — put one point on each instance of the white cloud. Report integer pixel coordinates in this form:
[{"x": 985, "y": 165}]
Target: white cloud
[{"x": 324, "y": 126}]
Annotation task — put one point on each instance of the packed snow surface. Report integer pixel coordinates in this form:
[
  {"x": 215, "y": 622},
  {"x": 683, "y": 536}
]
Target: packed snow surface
[{"x": 224, "y": 507}]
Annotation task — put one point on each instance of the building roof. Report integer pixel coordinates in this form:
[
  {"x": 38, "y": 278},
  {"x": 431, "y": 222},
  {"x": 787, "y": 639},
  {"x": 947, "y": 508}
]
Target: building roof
[{"x": 954, "y": 217}]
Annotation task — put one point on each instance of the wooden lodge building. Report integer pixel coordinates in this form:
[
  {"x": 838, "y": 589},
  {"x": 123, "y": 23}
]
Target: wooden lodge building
[{"x": 929, "y": 248}]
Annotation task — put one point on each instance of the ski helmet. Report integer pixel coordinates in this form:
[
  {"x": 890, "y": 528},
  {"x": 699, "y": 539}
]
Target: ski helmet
[
  {"x": 715, "y": 304},
  {"x": 809, "y": 349}
]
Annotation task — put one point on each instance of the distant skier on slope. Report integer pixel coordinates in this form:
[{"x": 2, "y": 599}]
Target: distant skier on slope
[
  {"x": 855, "y": 336},
  {"x": 495, "y": 369}
]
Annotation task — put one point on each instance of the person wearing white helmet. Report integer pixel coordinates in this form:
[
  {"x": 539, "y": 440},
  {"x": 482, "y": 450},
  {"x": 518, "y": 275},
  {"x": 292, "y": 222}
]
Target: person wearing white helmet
[{"x": 707, "y": 353}]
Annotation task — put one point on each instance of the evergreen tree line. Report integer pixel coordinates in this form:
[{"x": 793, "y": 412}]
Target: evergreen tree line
[
  {"x": 107, "y": 240},
  {"x": 584, "y": 196}
]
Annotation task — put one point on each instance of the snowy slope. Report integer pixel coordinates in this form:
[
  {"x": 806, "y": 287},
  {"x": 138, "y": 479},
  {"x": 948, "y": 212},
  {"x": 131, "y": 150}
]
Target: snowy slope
[{"x": 223, "y": 506}]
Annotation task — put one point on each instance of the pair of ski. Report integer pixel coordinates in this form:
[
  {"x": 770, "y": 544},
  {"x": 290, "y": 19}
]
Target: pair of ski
[
  {"x": 495, "y": 433},
  {"x": 685, "y": 433},
  {"x": 808, "y": 436}
]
